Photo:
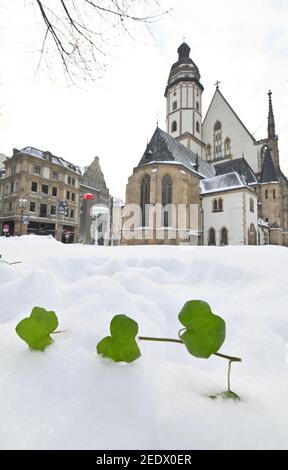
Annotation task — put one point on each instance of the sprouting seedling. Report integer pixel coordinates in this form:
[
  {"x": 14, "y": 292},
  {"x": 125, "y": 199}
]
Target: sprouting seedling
[
  {"x": 36, "y": 329},
  {"x": 203, "y": 336}
]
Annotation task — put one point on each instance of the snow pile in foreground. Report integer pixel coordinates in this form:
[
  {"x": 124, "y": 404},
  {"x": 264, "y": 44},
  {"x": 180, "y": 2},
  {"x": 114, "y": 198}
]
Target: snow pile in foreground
[{"x": 69, "y": 398}]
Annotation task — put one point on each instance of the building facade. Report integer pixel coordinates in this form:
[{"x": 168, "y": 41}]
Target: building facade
[
  {"x": 199, "y": 162},
  {"x": 40, "y": 194}
]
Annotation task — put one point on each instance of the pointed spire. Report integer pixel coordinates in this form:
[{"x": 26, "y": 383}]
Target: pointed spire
[
  {"x": 268, "y": 172},
  {"x": 271, "y": 120}
]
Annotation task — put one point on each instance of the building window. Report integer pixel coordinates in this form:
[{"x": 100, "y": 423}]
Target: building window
[
  {"x": 67, "y": 194},
  {"x": 12, "y": 187},
  {"x": 212, "y": 237},
  {"x": 13, "y": 170},
  {"x": 53, "y": 210},
  {"x": 54, "y": 191},
  {"x": 197, "y": 106},
  {"x": 252, "y": 205},
  {"x": 43, "y": 210},
  {"x": 198, "y": 127},
  {"x": 32, "y": 206},
  {"x": 69, "y": 179},
  {"x": 167, "y": 199},
  {"x": 224, "y": 236},
  {"x": 45, "y": 189},
  {"x": 145, "y": 199},
  {"x": 208, "y": 151},
  {"x": 34, "y": 187},
  {"x": 274, "y": 193},
  {"x": 37, "y": 169},
  {"x": 55, "y": 175},
  {"x": 252, "y": 235},
  {"x": 217, "y": 205},
  {"x": 174, "y": 106},
  {"x": 174, "y": 126},
  {"x": 218, "y": 140},
  {"x": 266, "y": 193},
  {"x": 72, "y": 213},
  {"x": 227, "y": 147},
  {"x": 73, "y": 181},
  {"x": 73, "y": 197}
]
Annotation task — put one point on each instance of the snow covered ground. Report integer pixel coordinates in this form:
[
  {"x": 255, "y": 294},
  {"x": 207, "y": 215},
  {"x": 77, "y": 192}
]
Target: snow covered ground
[{"x": 70, "y": 398}]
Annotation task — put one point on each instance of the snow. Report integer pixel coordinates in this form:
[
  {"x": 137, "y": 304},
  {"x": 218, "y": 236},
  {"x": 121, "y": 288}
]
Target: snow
[
  {"x": 224, "y": 182},
  {"x": 70, "y": 398}
]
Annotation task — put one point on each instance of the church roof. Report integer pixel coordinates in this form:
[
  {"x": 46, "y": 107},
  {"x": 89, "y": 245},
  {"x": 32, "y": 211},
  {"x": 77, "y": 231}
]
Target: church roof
[
  {"x": 164, "y": 148},
  {"x": 221, "y": 183},
  {"x": 268, "y": 173},
  {"x": 239, "y": 165}
]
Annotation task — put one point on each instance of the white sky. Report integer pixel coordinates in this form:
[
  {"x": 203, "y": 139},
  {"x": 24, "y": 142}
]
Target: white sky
[{"x": 242, "y": 43}]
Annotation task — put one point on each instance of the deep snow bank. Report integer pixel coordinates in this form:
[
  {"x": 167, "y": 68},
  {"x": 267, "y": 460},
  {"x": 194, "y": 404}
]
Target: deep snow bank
[{"x": 69, "y": 398}]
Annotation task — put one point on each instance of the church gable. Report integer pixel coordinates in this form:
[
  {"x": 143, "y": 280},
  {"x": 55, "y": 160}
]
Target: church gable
[{"x": 225, "y": 135}]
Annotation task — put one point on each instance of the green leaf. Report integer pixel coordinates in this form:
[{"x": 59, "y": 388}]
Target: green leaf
[
  {"x": 205, "y": 332},
  {"x": 36, "y": 329},
  {"x": 121, "y": 346}
]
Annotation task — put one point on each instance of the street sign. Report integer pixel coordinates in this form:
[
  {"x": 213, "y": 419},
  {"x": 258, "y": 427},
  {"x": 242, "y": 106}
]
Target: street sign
[{"x": 63, "y": 208}]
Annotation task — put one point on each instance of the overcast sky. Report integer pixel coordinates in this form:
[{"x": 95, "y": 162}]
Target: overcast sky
[{"x": 243, "y": 44}]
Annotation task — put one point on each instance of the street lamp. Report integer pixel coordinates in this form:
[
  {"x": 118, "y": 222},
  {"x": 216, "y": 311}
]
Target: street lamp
[{"x": 22, "y": 204}]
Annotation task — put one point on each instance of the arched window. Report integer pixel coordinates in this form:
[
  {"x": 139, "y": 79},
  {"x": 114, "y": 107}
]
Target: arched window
[
  {"x": 174, "y": 126},
  {"x": 218, "y": 140},
  {"x": 208, "y": 151},
  {"x": 274, "y": 193},
  {"x": 215, "y": 205},
  {"x": 252, "y": 235},
  {"x": 224, "y": 236},
  {"x": 227, "y": 147},
  {"x": 220, "y": 205},
  {"x": 167, "y": 199},
  {"x": 198, "y": 127},
  {"x": 266, "y": 193},
  {"x": 212, "y": 237},
  {"x": 252, "y": 205},
  {"x": 145, "y": 199}
]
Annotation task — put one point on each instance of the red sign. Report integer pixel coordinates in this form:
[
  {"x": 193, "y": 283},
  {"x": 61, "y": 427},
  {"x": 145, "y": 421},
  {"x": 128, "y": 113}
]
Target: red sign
[
  {"x": 5, "y": 228},
  {"x": 67, "y": 232},
  {"x": 88, "y": 196}
]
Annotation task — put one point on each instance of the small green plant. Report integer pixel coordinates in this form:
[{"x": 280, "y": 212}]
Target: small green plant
[
  {"x": 121, "y": 346},
  {"x": 36, "y": 329},
  {"x": 203, "y": 336}
]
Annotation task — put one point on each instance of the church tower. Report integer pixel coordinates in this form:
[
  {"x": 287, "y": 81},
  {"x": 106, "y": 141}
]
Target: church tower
[{"x": 184, "y": 101}]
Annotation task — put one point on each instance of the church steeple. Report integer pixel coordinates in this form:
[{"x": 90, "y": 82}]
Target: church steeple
[{"x": 271, "y": 119}]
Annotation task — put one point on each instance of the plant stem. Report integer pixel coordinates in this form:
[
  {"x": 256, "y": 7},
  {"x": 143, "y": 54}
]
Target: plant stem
[
  {"x": 178, "y": 341},
  {"x": 229, "y": 376}
]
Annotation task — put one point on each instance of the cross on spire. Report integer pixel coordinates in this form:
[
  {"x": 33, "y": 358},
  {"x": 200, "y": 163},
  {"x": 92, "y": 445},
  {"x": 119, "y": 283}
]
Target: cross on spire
[{"x": 217, "y": 84}]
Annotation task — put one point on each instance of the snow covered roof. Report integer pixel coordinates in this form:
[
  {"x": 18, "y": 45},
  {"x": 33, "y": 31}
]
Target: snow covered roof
[
  {"x": 49, "y": 156},
  {"x": 220, "y": 183},
  {"x": 240, "y": 166},
  {"x": 165, "y": 149}
]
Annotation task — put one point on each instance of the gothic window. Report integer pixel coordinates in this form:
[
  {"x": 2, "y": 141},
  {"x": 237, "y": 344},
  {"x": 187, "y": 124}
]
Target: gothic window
[
  {"x": 252, "y": 205},
  {"x": 212, "y": 237},
  {"x": 145, "y": 198},
  {"x": 167, "y": 199},
  {"x": 174, "y": 126},
  {"x": 208, "y": 151},
  {"x": 218, "y": 140},
  {"x": 197, "y": 106},
  {"x": 224, "y": 236},
  {"x": 266, "y": 193},
  {"x": 215, "y": 205},
  {"x": 227, "y": 147},
  {"x": 274, "y": 193},
  {"x": 198, "y": 127}
]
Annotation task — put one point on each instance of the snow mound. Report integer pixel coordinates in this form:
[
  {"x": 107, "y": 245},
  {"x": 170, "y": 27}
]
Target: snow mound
[{"x": 69, "y": 398}]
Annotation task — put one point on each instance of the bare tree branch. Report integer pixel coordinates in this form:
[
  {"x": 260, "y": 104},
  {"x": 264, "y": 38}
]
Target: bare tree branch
[{"x": 79, "y": 31}]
